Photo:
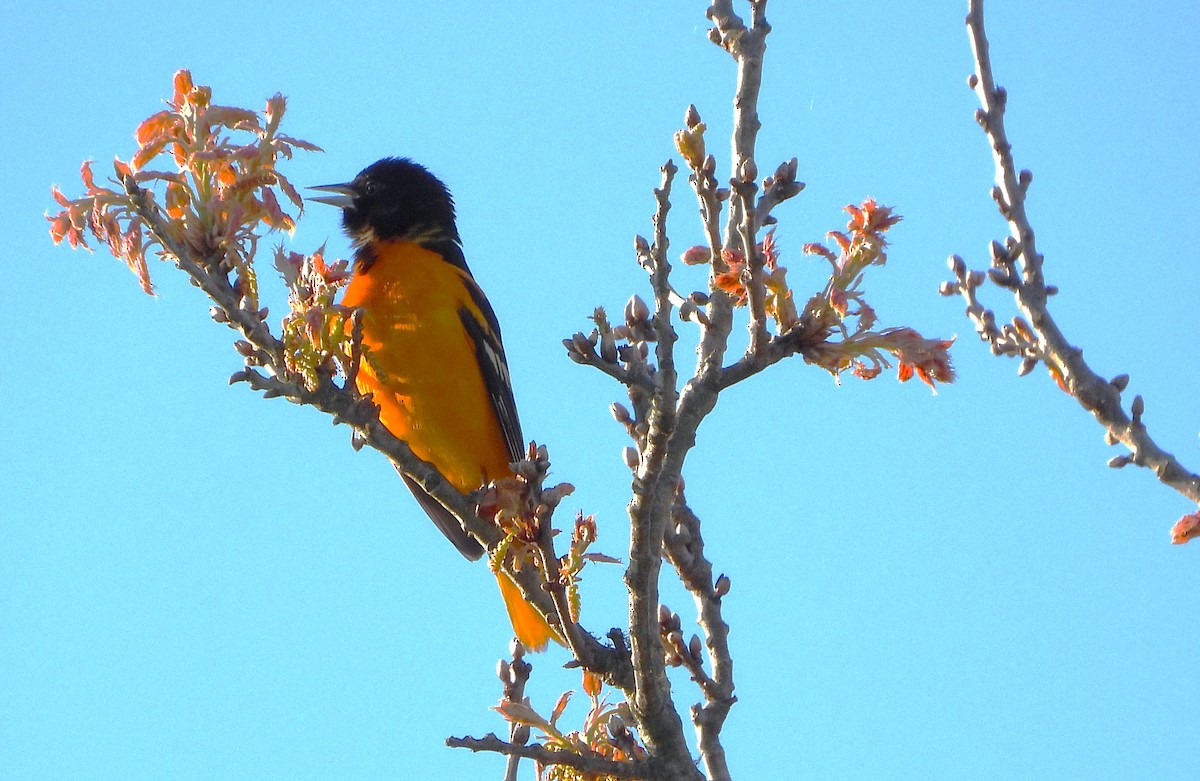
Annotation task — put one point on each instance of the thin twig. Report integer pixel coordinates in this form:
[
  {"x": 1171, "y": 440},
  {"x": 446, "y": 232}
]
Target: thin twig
[
  {"x": 747, "y": 46},
  {"x": 1098, "y": 395},
  {"x": 514, "y": 675}
]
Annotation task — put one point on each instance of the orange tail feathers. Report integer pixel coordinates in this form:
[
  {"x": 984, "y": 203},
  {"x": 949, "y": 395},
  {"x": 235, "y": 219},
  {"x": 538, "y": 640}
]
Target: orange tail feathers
[{"x": 530, "y": 627}]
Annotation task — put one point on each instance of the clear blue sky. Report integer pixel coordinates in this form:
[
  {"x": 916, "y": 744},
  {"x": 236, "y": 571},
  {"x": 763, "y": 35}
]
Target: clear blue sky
[{"x": 199, "y": 584}]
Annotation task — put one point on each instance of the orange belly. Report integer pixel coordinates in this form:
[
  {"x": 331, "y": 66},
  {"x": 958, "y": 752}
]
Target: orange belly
[{"x": 420, "y": 364}]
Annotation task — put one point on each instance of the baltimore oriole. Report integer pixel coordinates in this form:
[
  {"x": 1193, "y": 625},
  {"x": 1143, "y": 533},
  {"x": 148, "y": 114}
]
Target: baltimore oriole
[{"x": 433, "y": 359}]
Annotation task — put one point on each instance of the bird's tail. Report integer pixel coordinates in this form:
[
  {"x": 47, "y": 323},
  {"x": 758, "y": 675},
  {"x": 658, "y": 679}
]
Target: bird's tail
[{"x": 529, "y": 625}]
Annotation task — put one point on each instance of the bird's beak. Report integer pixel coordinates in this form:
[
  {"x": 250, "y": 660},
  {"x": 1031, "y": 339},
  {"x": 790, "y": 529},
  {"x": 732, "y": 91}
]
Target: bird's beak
[{"x": 343, "y": 195}]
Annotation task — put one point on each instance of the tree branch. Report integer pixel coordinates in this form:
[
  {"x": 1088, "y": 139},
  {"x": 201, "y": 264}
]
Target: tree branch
[
  {"x": 1019, "y": 267},
  {"x": 748, "y": 47},
  {"x": 655, "y": 478},
  {"x": 684, "y": 548},
  {"x": 592, "y": 764}
]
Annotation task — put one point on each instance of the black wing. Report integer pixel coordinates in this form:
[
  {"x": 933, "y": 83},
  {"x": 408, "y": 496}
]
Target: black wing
[
  {"x": 445, "y": 521},
  {"x": 489, "y": 352}
]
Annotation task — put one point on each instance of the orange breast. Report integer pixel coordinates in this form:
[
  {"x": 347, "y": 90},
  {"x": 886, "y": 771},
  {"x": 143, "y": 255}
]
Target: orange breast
[{"x": 420, "y": 364}]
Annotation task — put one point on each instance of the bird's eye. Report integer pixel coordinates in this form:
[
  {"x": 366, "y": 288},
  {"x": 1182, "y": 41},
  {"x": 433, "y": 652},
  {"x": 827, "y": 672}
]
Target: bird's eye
[{"x": 370, "y": 187}]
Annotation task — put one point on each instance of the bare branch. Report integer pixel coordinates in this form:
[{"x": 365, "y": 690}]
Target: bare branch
[
  {"x": 514, "y": 675},
  {"x": 747, "y": 46},
  {"x": 1018, "y": 266},
  {"x": 655, "y": 478},
  {"x": 684, "y": 548},
  {"x": 660, "y": 281}
]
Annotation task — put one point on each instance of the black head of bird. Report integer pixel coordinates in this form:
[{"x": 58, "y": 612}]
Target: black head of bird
[{"x": 393, "y": 199}]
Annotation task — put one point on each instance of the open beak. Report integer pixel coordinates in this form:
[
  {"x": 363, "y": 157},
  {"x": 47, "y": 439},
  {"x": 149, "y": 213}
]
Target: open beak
[{"x": 343, "y": 195}]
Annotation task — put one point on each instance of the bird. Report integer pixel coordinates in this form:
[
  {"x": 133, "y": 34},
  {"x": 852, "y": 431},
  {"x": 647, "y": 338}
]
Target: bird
[{"x": 433, "y": 360}]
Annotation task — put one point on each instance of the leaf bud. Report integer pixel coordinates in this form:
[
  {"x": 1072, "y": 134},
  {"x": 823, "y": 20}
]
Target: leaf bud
[
  {"x": 999, "y": 253},
  {"x": 957, "y": 265},
  {"x": 608, "y": 347},
  {"x": 620, "y": 413},
  {"x": 696, "y": 255},
  {"x": 748, "y": 170},
  {"x": 1120, "y": 382},
  {"x": 631, "y": 457},
  {"x": 1001, "y": 278},
  {"x": 582, "y": 345},
  {"x": 571, "y": 351},
  {"x": 721, "y": 587},
  {"x": 636, "y": 310}
]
